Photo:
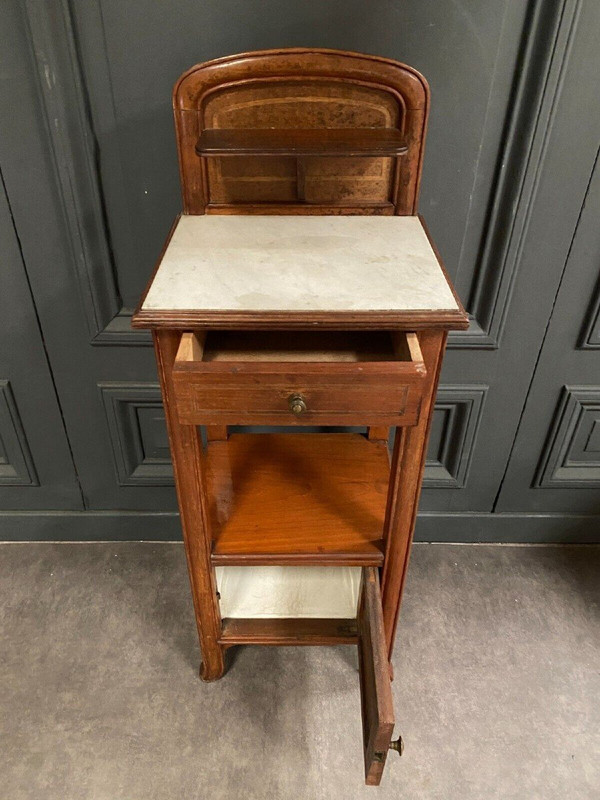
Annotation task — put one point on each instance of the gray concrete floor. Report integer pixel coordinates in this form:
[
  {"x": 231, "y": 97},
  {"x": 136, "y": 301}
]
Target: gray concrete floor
[{"x": 497, "y": 684}]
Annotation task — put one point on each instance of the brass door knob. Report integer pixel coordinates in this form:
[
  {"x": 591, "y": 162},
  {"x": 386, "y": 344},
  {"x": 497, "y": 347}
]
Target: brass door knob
[
  {"x": 297, "y": 404},
  {"x": 398, "y": 746}
]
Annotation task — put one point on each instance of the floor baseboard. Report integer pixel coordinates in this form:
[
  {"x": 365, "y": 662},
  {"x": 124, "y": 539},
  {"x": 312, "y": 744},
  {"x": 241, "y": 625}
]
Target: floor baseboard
[{"x": 119, "y": 526}]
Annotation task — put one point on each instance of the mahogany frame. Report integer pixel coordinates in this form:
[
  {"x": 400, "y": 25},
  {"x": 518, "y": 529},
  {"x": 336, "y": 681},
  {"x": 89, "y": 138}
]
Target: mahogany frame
[
  {"x": 405, "y": 84},
  {"x": 189, "y": 95}
]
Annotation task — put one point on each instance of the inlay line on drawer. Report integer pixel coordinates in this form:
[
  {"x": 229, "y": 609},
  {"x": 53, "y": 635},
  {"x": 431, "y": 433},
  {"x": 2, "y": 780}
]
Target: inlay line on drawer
[{"x": 304, "y": 378}]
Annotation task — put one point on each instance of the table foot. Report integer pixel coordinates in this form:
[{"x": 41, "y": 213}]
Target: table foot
[{"x": 213, "y": 674}]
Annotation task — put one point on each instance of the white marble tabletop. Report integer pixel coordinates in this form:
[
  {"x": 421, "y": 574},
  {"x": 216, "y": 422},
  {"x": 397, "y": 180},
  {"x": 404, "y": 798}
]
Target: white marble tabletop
[{"x": 299, "y": 263}]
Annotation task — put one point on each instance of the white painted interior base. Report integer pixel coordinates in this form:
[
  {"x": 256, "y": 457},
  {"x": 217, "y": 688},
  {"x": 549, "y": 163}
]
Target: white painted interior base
[{"x": 329, "y": 592}]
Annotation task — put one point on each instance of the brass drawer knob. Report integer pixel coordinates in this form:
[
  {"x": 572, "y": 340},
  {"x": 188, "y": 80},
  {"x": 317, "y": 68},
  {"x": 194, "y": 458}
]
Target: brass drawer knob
[
  {"x": 297, "y": 404},
  {"x": 398, "y": 746}
]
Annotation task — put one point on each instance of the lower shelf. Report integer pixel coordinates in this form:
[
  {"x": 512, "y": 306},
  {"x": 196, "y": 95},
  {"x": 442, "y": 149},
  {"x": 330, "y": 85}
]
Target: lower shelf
[
  {"x": 289, "y": 631},
  {"x": 285, "y": 592},
  {"x": 309, "y": 590}
]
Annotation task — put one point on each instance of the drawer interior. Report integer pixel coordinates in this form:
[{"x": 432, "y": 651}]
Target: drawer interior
[
  {"x": 300, "y": 346},
  {"x": 288, "y": 592}
]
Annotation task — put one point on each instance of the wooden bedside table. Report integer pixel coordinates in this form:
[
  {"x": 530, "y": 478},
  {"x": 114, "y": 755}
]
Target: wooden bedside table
[{"x": 300, "y": 289}]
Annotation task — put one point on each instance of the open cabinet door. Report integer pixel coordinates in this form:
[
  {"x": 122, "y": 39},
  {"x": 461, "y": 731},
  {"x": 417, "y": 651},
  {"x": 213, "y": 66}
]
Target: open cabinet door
[{"x": 375, "y": 685}]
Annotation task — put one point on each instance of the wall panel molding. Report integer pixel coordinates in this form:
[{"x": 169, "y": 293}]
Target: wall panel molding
[
  {"x": 456, "y": 422},
  {"x": 16, "y": 463},
  {"x": 138, "y": 434},
  {"x": 71, "y": 136},
  {"x": 572, "y": 456},
  {"x": 119, "y": 333},
  {"x": 547, "y": 39},
  {"x": 590, "y": 340},
  {"x": 127, "y": 526}
]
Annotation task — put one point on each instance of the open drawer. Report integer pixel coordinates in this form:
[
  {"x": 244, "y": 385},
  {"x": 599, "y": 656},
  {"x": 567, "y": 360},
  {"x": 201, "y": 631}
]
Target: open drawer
[
  {"x": 317, "y": 606},
  {"x": 299, "y": 378}
]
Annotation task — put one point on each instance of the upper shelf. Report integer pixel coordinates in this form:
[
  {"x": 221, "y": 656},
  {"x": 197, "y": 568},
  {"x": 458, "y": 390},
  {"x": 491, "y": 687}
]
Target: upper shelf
[{"x": 301, "y": 142}]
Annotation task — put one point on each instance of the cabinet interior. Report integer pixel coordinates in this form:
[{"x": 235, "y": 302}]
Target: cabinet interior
[{"x": 288, "y": 592}]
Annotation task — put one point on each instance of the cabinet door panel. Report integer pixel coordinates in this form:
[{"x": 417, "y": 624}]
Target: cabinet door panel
[{"x": 375, "y": 687}]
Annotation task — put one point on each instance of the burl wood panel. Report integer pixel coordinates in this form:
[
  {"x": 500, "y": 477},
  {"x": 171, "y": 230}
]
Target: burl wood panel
[
  {"x": 313, "y": 104},
  {"x": 297, "y": 499},
  {"x": 303, "y": 89}
]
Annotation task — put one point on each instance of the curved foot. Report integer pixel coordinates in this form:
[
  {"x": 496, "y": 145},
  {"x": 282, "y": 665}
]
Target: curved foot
[{"x": 213, "y": 670}]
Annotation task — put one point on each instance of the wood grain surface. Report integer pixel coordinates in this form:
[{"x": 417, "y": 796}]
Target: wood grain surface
[
  {"x": 341, "y": 379},
  {"x": 297, "y": 498},
  {"x": 301, "y": 142},
  {"x": 375, "y": 686}
]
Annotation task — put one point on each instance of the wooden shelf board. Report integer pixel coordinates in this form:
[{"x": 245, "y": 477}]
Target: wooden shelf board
[
  {"x": 288, "y": 631},
  {"x": 376, "y": 142},
  {"x": 297, "y": 499}
]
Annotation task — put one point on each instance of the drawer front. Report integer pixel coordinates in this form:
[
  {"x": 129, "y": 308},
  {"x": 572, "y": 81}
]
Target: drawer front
[{"x": 357, "y": 397}]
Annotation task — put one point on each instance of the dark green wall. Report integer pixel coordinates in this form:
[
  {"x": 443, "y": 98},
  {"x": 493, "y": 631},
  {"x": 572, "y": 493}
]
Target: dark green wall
[{"x": 90, "y": 187}]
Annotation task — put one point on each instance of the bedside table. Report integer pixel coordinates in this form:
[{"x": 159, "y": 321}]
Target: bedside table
[{"x": 304, "y": 316}]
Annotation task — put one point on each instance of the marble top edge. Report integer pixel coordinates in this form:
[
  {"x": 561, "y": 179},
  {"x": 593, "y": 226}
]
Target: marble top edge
[{"x": 285, "y": 263}]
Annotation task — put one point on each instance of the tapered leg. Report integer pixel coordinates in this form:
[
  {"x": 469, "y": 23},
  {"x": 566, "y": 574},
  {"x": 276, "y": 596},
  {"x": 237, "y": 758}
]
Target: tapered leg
[
  {"x": 186, "y": 452},
  {"x": 375, "y": 433},
  {"x": 408, "y": 461},
  {"x": 216, "y": 433}
]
